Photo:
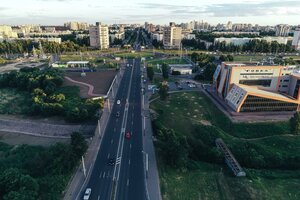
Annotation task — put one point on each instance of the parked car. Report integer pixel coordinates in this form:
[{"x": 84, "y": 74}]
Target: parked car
[
  {"x": 118, "y": 114},
  {"x": 87, "y": 194}
]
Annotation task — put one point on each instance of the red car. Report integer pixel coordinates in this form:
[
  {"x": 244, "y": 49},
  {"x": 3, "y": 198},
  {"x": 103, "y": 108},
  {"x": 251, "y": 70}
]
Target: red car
[{"x": 128, "y": 135}]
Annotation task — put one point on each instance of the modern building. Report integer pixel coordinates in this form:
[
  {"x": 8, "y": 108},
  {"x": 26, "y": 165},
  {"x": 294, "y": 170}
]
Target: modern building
[
  {"x": 74, "y": 26},
  {"x": 255, "y": 87},
  {"x": 99, "y": 36},
  {"x": 296, "y": 39},
  {"x": 282, "y": 30},
  {"x": 172, "y": 36}
]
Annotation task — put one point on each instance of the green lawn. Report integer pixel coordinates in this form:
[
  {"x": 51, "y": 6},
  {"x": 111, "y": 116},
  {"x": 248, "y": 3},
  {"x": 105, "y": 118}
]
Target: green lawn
[
  {"x": 261, "y": 145},
  {"x": 13, "y": 101},
  {"x": 134, "y": 55},
  {"x": 248, "y": 58},
  {"x": 174, "y": 60}
]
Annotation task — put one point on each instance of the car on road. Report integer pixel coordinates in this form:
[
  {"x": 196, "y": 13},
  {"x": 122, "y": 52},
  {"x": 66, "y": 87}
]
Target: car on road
[
  {"x": 118, "y": 114},
  {"x": 87, "y": 194},
  {"x": 128, "y": 135},
  {"x": 118, "y": 102},
  {"x": 111, "y": 162}
]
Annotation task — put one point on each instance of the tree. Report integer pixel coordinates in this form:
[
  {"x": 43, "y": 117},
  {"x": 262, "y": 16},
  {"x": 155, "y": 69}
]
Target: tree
[
  {"x": 78, "y": 144},
  {"x": 163, "y": 90},
  {"x": 165, "y": 71},
  {"x": 173, "y": 147},
  {"x": 150, "y": 72},
  {"x": 209, "y": 71},
  {"x": 295, "y": 123}
]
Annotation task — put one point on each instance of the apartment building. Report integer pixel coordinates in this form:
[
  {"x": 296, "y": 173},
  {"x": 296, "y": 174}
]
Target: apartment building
[
  {"x": 296, "y": 39},
  {"x": 282, "y": 30},
  {"x": 172, "y": 36},
  {"x": 256, "y": 87},
  {"x": 7, "y": 32},
  {"x": 99, "y": 36}
]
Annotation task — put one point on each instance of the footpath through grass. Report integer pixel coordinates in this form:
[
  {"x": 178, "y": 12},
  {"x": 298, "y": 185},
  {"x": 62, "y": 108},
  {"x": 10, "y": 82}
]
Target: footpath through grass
[{"x": 263, "y": 149}]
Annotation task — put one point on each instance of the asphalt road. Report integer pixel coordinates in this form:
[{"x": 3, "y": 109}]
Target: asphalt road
[{"x": 125, "y": 179}]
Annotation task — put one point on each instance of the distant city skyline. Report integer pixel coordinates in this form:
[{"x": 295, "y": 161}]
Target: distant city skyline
[{"x": 56, "y": 12}]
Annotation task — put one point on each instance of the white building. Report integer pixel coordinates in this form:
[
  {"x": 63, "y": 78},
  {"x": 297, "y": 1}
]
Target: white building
[
  {"x": 242, "y": 41},
  {"x": 99, "y": 36},
  {"x": 296, "y": 40},
  {"x": 7, "y": 32},
  {"x": 157, "y": 36}
]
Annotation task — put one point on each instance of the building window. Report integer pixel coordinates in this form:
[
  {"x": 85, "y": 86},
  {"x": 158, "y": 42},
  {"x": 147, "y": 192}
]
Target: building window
[{"x": 265, "y": 83}]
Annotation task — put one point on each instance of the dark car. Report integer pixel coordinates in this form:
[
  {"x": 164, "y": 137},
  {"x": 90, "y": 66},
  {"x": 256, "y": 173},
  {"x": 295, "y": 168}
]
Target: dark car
[
  {"x": 111, "y": 162},
  {"x": 118, "y": 114},
  {"x": 128, "y": 135}
]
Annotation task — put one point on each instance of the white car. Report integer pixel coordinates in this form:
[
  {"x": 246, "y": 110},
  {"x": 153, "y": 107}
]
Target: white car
[
  {"x": 118, "y": 102},
  {"x": 87, "y": 194}
]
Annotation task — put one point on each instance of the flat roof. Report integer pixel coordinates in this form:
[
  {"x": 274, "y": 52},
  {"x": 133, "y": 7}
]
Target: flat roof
[
  {"x": 77, "y": 62},
  {"x": 256, "y": 91},
  {"x": 247, "y": 64}
]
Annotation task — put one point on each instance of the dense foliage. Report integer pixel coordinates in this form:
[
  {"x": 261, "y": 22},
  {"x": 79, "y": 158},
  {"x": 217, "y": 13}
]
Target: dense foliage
[
  {"x": 48, "y": 99},
  {"x": 38, "y": 173},
  {"x": 27, "y": 46},
  {"x": 150, "y": 72}
]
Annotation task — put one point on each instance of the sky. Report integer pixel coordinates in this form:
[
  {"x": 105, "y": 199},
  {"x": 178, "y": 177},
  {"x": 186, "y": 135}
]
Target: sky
[{"x": 56, "y": 12}]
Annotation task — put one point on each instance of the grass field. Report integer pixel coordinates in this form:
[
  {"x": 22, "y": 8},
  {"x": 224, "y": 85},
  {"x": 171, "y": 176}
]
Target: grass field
[
  {"x": 174, "y": 60},
  {"x": 134, "y": 55},
  {"x": 193, "y": 115},
  {"x": 13, "y": 101}
]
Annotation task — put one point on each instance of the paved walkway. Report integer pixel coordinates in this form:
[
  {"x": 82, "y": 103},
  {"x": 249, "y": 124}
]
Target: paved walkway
[
  {"x": 91, "y": 87},
  {"x": 152, "y": 176},
  {"x": 43, "y": 129}
]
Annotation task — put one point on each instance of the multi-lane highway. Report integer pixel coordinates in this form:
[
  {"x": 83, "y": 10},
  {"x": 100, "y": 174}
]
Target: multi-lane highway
[{"x": 125, "y": 178}]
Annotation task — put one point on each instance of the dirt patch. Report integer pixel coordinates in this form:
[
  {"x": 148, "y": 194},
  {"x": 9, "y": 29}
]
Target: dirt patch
[
  {"x": 101, "y": 81},
  {"x": 18, "y": 139},
  {"x": 205, "y": 122}
]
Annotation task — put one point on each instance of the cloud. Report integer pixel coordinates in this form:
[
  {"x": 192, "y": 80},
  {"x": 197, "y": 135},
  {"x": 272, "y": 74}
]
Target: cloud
[{"x": 244, "y": 9}]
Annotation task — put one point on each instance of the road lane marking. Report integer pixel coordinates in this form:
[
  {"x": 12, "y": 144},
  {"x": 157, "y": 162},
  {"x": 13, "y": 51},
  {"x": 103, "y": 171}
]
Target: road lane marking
[
  {"x": 103, "y": 174},
  {"x": 129, "y": 162},
  {"x": 98, "y": 197},
  {"x": 112, "y": 141},
  {"x": 114, "y": 129},
  {"x": 130, "y": 146},
  {"x": 131, "y": 122},
  {"x": 100, "y": 175},
  {"x": 127, "y": 182},
  {"x": 108, "y": 156}
]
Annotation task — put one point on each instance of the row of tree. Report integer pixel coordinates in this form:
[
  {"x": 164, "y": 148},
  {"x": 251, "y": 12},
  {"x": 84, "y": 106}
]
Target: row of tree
[
  {"x": 254, "y": 46},
  {"x": 28, "y": 46}
]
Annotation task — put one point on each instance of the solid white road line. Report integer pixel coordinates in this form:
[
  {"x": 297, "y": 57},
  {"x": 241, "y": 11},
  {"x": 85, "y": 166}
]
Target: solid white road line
[
  {"x": 100, "y": 175},
  {"x": 98, "y": 197},
  {"x": 127, "y": 182},
  {"x": 129, "y": 162},
  {"x": 103, "y": 174},
  {"x": 108, "y": 156},
  {"x": 112, "y": 141},
  {"x": 130, "y": 146}
]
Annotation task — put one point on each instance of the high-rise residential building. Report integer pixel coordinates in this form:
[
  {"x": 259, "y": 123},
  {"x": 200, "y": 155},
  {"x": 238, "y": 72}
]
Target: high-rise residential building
[
  {"x": 172, "y": 36},
  {"x": 282, "y": 30},
  {"x": 296, "y": 39},
  {"x": 99, "y": 36},
  {"x": 229, "y": 25}
]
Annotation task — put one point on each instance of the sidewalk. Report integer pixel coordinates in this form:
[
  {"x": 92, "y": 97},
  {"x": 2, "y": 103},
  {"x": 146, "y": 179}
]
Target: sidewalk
[
  {"x": 78, "y": 181},
  {"x": 152, "y": 177}
]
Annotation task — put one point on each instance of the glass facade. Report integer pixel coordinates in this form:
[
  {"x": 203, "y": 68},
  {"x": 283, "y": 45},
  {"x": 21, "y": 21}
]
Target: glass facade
[
  {"x": 261, "y": 82},
  {"x": 259, "y": 104}
]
